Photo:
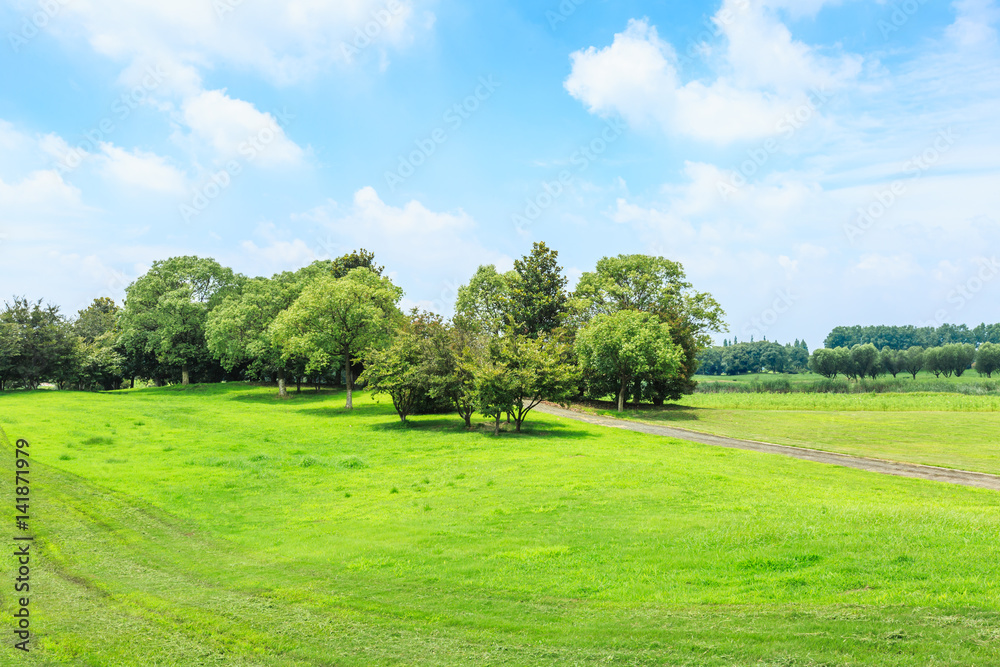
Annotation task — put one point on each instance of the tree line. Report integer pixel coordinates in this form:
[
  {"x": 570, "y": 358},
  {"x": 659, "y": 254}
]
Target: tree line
[
  {"x": 905, "y": 337},
  {"x": 867, "y": 361},
  {"x": 754, "y": 357},
  {"x": 632, "y": 328}
]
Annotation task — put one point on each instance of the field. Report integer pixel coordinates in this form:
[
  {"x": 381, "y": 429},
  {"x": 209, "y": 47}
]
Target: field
[
  {"x": 217, "y": 525},
  {"x": 948, "y": 430}
]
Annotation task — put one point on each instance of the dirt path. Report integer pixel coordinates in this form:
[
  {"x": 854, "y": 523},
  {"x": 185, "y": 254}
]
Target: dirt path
[{"x": 915, "y": 470}]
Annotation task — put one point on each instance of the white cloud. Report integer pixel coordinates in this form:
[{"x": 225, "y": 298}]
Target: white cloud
[
  {"x": 40, "y": 191},
  {"x": 235, "y": 128},
  {"x": 286, "y": 41},
  {"x": 141, "y": 169},
  {"x": 974, "y": 24},
  {"x": 763, "y": 75},
  {"x": 432, "y": 252}
]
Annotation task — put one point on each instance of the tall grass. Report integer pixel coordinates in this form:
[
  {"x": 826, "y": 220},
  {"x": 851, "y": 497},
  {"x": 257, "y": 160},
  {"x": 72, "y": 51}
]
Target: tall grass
[{"x": 781, "y": 385}]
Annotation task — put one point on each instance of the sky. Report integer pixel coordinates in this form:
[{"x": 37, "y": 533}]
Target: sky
[{"x": 810, "y": 163}]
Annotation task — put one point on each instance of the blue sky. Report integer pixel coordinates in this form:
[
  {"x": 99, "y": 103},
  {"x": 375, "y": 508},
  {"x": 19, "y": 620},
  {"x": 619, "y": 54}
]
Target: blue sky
[{"x": 810, "y": 162}]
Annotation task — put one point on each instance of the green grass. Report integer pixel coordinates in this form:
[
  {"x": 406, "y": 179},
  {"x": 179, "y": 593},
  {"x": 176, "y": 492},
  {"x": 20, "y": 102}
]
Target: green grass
[
  {"x": 214, "y": 542},
  {"x": 949, "y": 430}
]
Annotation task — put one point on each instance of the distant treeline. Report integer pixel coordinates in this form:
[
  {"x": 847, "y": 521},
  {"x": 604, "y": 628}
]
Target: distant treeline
[
  {"x": 756, "y": 357},
  {"x": 905, "y": 337},
  {"x": 866, "y": 361}
]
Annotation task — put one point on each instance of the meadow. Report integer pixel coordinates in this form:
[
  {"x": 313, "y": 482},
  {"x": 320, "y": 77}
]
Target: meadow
[
  {"x": 216, "y": 524},
  {"x": 951, "y": 430}
]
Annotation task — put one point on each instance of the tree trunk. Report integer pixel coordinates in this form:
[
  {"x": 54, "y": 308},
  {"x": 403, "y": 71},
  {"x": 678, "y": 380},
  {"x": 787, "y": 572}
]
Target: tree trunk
[
  {"x": 468, "y": 420},
  {"x": 132, "y": 384},
  {"x": 298, "y": 384},
  {"x": 621, "y": 396},
  {"x": 496, "y": 425},
  {"x": 282, "y": 391},
  {"x": 637, "y": 393},
  {"x": 350, "y": 381},
  {"x": 185, "y": 375}
]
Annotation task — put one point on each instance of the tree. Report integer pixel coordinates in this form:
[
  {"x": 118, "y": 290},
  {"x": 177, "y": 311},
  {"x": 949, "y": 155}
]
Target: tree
[
  {"x": 451, "y": 367},
  {"x": 947, "y": 359},
  {"x": 535, "y": 369},
  {"x": 865, "y": 360},
  {"x": 656, "y": 285},
  {"x": 913, "y": 360},
  {"x": 484, "y": 302},
  {"x": 988, "y": 359},
  {"x": 166, "y": 309},
  {"x": 39, "y": 345},
  {"x": 239, "y": 331},
  {"x": 537, "y": 298},
  {"x": 965, "y": 354},
  {"x": 362, "y": 258},
  {"x": 825, "y": 362},
  {"x": 891, "y": 361},
  {"x": 339, "y": 319},
  {"x": 398, "y": 370},
  {"x": 932, "y": 361},
  {"x": 627, "y": 346}
]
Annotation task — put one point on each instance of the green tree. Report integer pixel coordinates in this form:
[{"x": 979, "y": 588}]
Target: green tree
[
  {"x": 538, "y": 296},
  {"x": 913, "y": 360},
  {"x": 865, "y": 360},
  {"x": 339, "y": 319},
  {"x": 484, "y": 302},
  {"x": 536, "y": 370},
  {"x": 166, "y": 309},
  {"x": 627, "y": 346},
  {"x": 933, "y": 361},
  {"x": 891, "y": 361},
  {"x": 40, "y": 344},
  {"x": 657, "y": 285},
  {"x": 239, "y": 331},
  {"x": 825, "y": 362},
  {"x": 398, "y": 370},
  {"x": 965, "y": 354},
  {"x": 362, "y": 258},
  {"x": 988, "y": 359}
]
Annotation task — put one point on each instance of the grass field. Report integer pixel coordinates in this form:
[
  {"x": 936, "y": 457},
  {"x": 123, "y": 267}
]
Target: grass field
[
  {"x": 217, "y": 525},
  {"x": 949, "y": 430}
]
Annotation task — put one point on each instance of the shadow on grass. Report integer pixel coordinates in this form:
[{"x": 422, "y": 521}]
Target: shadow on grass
[
  {"x": 671, "y": 412},
  {"x": 482, "y": 426}
]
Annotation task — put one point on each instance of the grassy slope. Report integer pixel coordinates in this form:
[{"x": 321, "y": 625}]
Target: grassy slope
[
  {"x": 949, "y": 430},
  {"x": 218, "y": 525}
]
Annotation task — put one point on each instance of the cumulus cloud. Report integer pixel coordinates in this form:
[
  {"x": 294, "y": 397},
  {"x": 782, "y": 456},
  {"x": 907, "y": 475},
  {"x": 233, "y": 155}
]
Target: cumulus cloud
[
  {"x": 975, "y": 23},
  {"x": 431, "y": 251},
  {"x": 233, "y": 127},
  {"x": 762, "y": 76},
  {"x": 140, "y": 169},
  {"x": 285, "y": 41}
]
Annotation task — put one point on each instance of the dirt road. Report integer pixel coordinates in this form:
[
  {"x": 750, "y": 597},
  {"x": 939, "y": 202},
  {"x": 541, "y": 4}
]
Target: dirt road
[{"x": 964, "y": 477}]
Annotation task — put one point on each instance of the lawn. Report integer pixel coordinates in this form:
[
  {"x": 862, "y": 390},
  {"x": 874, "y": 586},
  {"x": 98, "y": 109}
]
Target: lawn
[
  {"x": 949, "y": 430},
  {"x": 218, "y": 525}
]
